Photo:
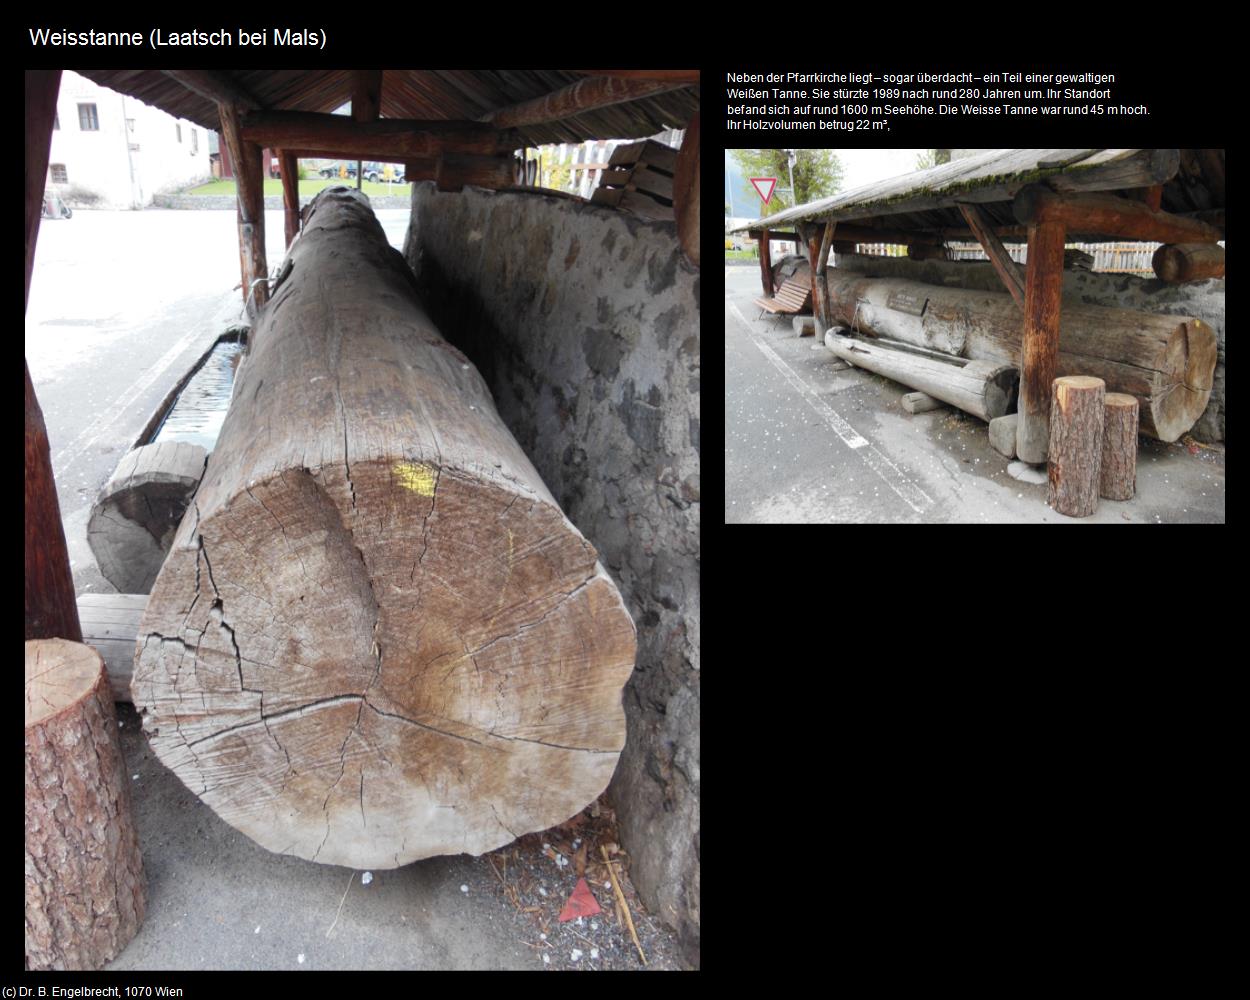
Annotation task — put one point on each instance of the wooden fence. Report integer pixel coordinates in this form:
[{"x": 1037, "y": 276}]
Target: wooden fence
[{"x": 1110, "y": 258}]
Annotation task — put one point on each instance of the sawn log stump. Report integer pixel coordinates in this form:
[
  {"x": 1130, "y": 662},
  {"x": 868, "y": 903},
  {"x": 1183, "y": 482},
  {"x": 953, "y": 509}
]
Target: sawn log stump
[
  {"x": 1074, "y": 458},
  {"x": 85, "y": 891},
  {"x": 376, "y": 637}
]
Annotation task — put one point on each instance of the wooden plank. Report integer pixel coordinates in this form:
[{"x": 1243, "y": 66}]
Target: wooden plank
[
  {"x": 366, "y": 95},
  {"x": 388, "y": 139},
  {"x": 110, "y": 626},
  {"x": 645, "y": 206},
  {"x": 1040, "y": 342},
  {"x": 1109, "y": 215},
  {"x": 649, "y": 152},
  {"x": 585, "y": 95},
  {"x": 290, "y": 194},
  {"x": 1003, "y": 264}
]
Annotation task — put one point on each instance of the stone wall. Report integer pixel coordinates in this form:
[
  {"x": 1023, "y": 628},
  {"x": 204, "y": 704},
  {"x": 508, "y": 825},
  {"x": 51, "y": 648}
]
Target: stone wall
[
  {"x": 1203, "y": 300},
  {"x": 584, "y": 321}
]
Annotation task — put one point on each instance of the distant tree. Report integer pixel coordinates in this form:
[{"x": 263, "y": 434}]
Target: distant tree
[{"x": 817, "y": 174}]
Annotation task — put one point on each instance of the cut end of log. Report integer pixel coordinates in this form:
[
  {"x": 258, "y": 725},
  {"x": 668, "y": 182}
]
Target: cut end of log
[
  {"x": 481, "y": 654},
  {"x": 59, "y": 674}
]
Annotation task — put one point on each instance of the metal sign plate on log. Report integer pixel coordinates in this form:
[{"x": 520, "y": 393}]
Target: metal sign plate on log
[{"x": 907, "y": 302}]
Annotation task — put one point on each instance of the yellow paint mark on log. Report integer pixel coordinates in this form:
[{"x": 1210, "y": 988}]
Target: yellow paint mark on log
[{"x": 415, "y": 476}]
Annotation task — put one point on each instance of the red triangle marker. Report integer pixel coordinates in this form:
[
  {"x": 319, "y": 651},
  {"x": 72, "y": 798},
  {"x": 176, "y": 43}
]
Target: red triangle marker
[
  {"x": 764, "y": 187},
  {"x": 581, "y": 904}
]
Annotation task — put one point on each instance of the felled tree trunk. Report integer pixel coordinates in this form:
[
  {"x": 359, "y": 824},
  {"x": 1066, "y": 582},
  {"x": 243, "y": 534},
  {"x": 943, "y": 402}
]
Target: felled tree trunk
[
  {"x": 1167, "y": 362},
  {"x": 85, "y": 891},
  {"x": 376, "y": 637},
  {"x": 139, "y": 509}
]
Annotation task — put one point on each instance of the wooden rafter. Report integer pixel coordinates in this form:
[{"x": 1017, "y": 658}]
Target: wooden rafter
[
  {"x": 995, "y": 251},
  {"x": 591, "y": 94},
  {"x": 684, "y": 76}
]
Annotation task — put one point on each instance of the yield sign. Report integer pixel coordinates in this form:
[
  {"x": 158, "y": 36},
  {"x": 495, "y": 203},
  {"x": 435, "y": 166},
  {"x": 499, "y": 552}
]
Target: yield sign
[{"x": 764, "y": 187}]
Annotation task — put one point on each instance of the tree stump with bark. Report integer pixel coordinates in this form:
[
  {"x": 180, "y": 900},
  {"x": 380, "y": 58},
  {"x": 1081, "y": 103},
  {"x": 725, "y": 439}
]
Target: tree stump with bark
[
  {"x": 85, "y": 889},
  {"x": 377, "y": 637},
  {"x": 1119, "y": 447},
  {"x": 1075, "y": 452}
]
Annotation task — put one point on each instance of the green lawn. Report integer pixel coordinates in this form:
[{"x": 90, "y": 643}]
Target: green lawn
[
  {"x": 311, "y": 186},
  {"x": 741, "y": 255}
]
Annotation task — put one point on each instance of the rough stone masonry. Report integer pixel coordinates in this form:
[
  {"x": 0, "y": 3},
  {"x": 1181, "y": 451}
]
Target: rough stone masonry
[{"x": 584, "y": 321}]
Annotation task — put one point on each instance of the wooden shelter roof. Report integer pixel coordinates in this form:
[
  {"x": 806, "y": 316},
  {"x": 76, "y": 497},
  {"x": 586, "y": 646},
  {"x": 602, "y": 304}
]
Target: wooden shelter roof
[
  {"x": 928, "y": 200},
  {"x": 429, "y": 95}
]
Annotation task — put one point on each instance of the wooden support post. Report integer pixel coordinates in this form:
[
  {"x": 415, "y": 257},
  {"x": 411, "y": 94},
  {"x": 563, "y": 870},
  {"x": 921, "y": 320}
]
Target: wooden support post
[
  {"x": 820, "y": 281},
  {"x": 50, "y": 608},
  {"x": 686, "y": 192},
  {"x": 42, "y": 87},
  {"x": 248, "y": 175},
  {"x": 766, "y": 264},
  {"x": 290, "y": 193},
  {"x": 85, "y": 889},
  {"x": 1118, "y": 480},
  {"x": 360, "y": 174},
  {"x": 1075, "y": 454},
  {"x": 995, "y": 251},
  {"x": 1108, "y": 215},
  {"x": 1177, "y": 262},
  {"x": 1039, "y": 349},
  {"x": 811, "y": 234}
]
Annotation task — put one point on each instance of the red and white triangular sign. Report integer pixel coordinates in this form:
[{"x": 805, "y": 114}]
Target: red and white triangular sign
[{"x": 764, "y": 186}]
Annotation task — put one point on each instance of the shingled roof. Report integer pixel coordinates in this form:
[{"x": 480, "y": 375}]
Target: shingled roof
[{"x": 928, "y": 200}]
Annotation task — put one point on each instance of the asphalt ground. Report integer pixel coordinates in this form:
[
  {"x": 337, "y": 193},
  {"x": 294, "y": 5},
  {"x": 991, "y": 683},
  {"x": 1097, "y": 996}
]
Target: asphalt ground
[{"x": 805, "y": 443}]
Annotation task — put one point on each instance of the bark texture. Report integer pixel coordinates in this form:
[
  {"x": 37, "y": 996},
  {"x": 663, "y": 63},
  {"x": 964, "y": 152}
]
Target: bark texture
[
  {"x": 85, "y": 889},
  {"x": 1075, "y": 453},
  {"x": 377, "y": 637},
  {"x": 1119, "y": 447}
]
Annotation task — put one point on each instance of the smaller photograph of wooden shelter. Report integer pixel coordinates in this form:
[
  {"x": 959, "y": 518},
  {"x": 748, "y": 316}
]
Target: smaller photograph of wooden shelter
[{"x": 887, "y": 273}]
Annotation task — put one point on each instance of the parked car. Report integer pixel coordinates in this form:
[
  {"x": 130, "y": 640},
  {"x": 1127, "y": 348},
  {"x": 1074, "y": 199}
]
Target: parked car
[
  {"x": 733, "y": 243},
  {"x": 384, "y": 172},
  {"x": 335, "y": 169}
]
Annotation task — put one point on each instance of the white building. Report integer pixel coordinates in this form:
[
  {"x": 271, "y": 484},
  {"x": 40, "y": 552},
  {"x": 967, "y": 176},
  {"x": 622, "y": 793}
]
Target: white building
[{"x": 112, "y": 151}]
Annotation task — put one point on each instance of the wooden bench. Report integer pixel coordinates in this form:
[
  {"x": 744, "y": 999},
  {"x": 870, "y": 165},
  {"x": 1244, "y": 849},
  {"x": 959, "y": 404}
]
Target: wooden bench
[{"x": 795, "y": 296}]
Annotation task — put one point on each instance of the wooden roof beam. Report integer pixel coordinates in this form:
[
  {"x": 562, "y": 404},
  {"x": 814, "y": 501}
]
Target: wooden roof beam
[
  {"x": 591, "y": 94},
  {"x": 215, "y": 87},
  {"x": 684, "y": 76},
  {"x": 366, "y": 94},
  {"x": 1108, "y": 214},
  {"x": 391, "y": 139}
]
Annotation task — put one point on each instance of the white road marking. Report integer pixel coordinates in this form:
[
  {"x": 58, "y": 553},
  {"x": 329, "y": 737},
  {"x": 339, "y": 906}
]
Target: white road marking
[{"x": 908, "y": 492}]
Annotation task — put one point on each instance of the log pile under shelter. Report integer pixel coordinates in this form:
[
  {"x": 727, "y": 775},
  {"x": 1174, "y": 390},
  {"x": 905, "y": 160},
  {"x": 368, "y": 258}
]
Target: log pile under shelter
[{"x": 1044, "y": 198}]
